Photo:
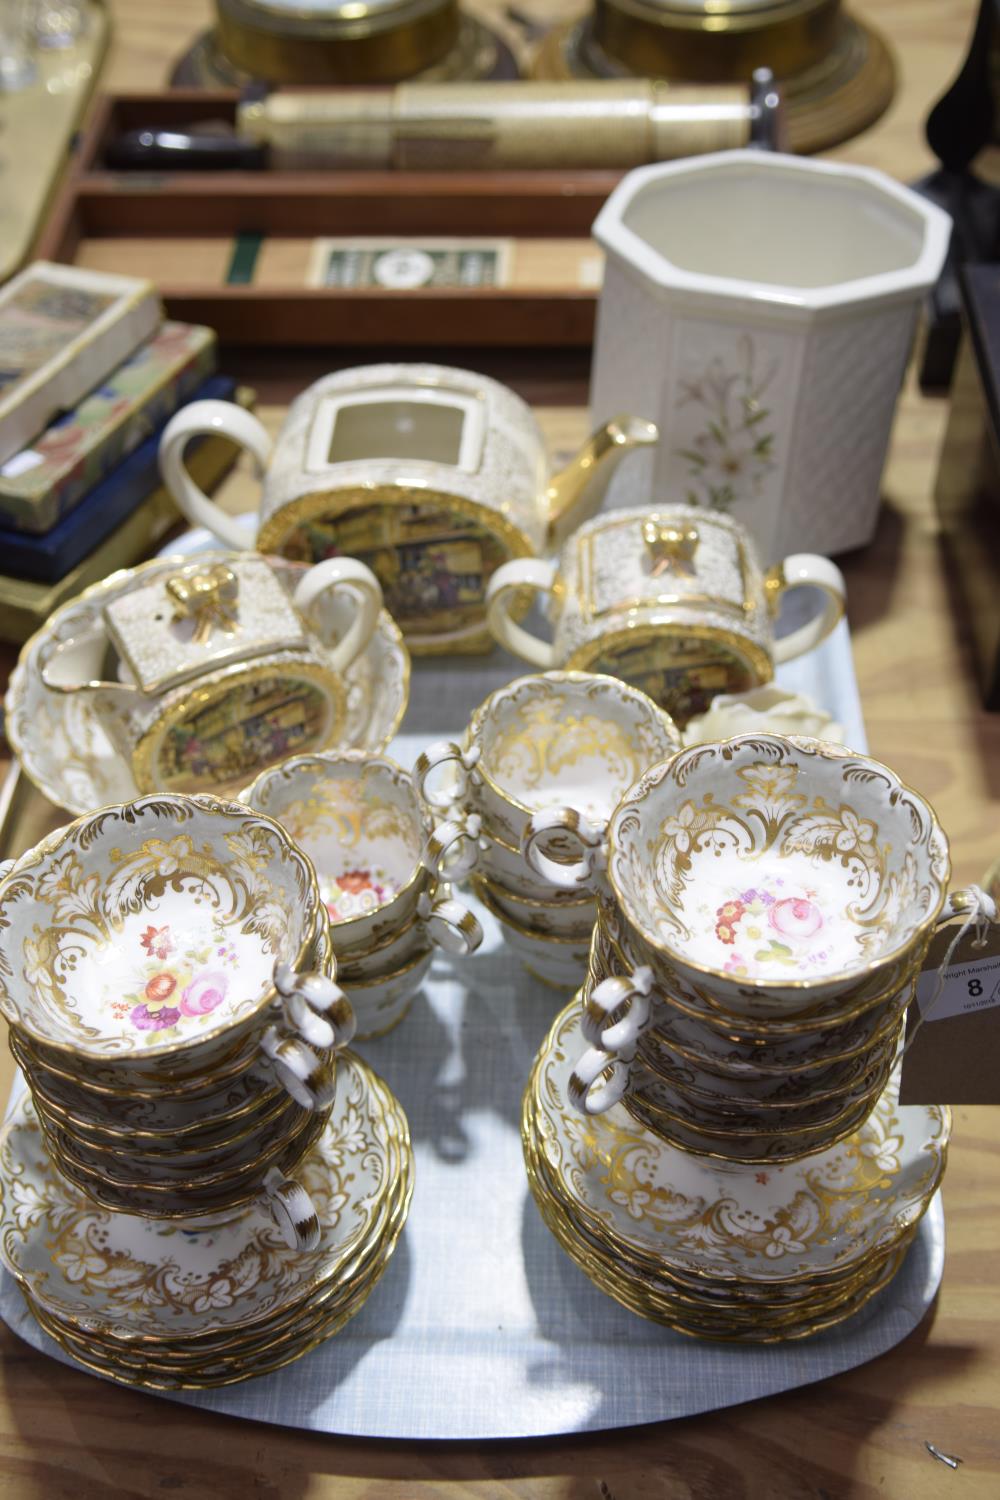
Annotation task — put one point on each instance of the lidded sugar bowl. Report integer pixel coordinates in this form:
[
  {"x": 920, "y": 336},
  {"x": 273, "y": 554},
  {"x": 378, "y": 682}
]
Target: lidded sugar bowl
[{"x": 204, "y": 676}]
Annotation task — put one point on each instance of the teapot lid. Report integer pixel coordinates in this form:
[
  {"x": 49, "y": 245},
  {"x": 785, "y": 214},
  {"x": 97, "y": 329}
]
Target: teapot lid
[{"x": 200, "y": 618}]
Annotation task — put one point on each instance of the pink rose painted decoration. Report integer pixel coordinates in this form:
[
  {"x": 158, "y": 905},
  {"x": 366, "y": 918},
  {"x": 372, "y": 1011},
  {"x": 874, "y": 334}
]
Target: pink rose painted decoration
[{"x": 204, "y": 994}]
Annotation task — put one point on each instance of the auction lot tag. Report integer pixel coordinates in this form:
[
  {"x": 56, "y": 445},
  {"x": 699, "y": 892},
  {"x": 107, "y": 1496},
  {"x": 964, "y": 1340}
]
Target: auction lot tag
[{"x": 954, "y": 1054}]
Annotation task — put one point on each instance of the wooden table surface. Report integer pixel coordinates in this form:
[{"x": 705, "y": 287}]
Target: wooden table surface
[{"x": 63, "y": 1433}]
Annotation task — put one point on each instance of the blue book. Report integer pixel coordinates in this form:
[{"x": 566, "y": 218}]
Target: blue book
[{"x": 50, "y": 557}]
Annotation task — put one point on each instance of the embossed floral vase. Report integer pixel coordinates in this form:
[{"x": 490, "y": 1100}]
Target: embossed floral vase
[{"x": 760, "y": 309}]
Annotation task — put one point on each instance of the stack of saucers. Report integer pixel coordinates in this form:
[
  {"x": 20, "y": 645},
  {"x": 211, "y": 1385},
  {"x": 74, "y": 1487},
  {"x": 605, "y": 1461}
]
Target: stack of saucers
[
  {"x": 360, "y": 822},
  {"x": 167, "y": 988},
  {"x": 540, "y": 768},
  {"x": 717, "y": 1250},
  {"x": 135, "y": 1299}
]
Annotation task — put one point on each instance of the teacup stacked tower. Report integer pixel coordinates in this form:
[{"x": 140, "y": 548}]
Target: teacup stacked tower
[
  {"x": 546, "y": 752},
  {"x": 167, "y": 977},
  {"x": 358, "y": 818},
  {"x": 726, "y": 1074}
]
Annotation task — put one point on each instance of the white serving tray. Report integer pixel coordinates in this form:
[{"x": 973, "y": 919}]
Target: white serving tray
[{"x": 482, "y": 1328}]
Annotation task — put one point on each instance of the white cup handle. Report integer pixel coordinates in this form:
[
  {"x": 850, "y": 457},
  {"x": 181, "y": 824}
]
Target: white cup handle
[
  {"x": 304, "y": 1076},
  {"x": 452, "y": 849},
  {"x": 292, "y": 1210},
  {"x": 316, "y": 1008},
  {"x": 343, "y": 573},
  {"x": 807, "y": 570},
  {"x": 582, "y": 830},
  {"x": 450, "y": 925},
  {"x": 604, "y": 1003},
  {"x": 205, "y": 418},
  {"x": 609, "y": 1072},
  {"x": 443, "y": 753},
  {"x": 523, "y": 572},
  {"x": 314, "y": 1030},
  {"x": 970, "y": 903}
]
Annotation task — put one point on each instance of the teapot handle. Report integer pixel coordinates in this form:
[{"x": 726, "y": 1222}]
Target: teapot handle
[
  {"x": 524, "y": 572},
  {"x": 806, "y": 570},
  {"x": 206, "y": 418},
  {"x": 339, "y": 573}
]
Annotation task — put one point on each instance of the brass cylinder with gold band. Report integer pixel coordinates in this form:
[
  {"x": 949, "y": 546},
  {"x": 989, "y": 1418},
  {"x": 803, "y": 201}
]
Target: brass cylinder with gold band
[
  {"x": 352, "y": 41},
  {"x": 721, "y": 40},
  {"x": 834, "y": 71}
]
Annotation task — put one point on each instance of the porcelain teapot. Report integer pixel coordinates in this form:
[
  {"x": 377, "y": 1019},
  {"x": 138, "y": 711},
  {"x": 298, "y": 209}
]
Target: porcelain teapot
[
  {"x": 205, "y": 676},
  {"x": 432, "y": 476}
]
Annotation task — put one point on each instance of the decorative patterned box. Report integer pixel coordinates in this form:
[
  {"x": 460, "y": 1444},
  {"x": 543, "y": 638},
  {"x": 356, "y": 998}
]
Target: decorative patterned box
[
  {"x": 41, "y": 484},
  {"x": 100, "y": 512},
  {"x": 61, "y": 332},
  {"x": 26, "y": 604}
]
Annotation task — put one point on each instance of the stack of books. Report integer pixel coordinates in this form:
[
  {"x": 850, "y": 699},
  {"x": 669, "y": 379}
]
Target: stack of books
[{"x": 89, "y": 375}]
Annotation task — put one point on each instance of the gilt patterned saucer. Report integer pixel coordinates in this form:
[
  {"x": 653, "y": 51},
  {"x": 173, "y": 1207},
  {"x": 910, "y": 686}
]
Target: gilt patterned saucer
[
  {"x": 808, "y": 1220},
  {"x": 140, "y": 1279}
]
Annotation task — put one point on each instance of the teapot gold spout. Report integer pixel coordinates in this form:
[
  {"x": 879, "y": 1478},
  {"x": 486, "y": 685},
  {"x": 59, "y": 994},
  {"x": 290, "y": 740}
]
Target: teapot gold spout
[{"x": 575, "y": 493}]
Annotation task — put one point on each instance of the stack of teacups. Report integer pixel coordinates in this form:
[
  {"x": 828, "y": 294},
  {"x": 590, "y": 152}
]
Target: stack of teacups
[
  {"x": 543, "y": 754},
  {"x": 767, "y": 907},
  {"x": 359, "y": 820},
  {"x": 165, "y": 974}
]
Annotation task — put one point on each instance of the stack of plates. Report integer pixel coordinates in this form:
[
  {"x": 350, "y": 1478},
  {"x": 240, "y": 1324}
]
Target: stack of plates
[
  {"x": 167, "y": 1307},
  {"x": 723, "y": 1250}
]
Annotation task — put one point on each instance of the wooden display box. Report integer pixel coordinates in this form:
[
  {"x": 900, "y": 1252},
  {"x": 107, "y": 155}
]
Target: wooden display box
[{"x": 193, "y": 232}]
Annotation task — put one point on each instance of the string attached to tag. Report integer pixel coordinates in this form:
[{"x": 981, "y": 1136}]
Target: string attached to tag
[{"x": 981, "y": 914}]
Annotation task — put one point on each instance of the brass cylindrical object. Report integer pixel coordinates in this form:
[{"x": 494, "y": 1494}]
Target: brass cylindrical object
[
  {"x": 716, "y": 40},
  {"x": 587, "y": 125},
  {"x": 353, "y": 41},
  {"x": 429, "y": 127}
]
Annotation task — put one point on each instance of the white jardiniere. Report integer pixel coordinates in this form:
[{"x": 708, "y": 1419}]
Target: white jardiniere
[{"x": 760, "y": 309}]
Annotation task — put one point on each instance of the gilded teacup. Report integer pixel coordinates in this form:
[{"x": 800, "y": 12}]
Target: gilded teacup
[
  {"x": 555, "y": 917},
  {"x": 358, "y": 819},
  {"x": 625, "y": 1011},
  {"x": 536, "y": 744},
  {"x": 380, "y": 1001},
  {"x": 157, "y": 938},
  {"x": 781, "y": 878}
]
